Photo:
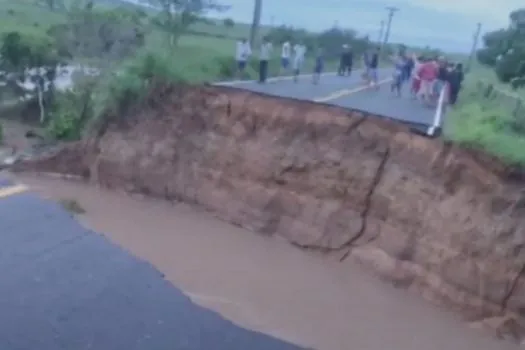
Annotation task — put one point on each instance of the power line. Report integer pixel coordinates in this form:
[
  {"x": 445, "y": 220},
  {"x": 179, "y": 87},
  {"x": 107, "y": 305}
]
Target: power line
[{"x": 391, "y": 11}]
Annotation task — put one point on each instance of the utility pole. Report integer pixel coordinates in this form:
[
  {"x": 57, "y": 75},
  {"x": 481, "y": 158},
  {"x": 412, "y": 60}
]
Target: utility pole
[
  {"x": 257, "y": 11},
  {"x": 391, "y": 11},
  {"x": 381, "y": 32},
  {"x": 475, "y": 39}
]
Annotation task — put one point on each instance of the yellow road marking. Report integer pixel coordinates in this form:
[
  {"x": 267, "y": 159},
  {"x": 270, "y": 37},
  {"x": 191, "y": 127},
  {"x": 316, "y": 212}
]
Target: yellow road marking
[
  {"x": 347, "y": 92},
  {"x": 12, "y": 190}
]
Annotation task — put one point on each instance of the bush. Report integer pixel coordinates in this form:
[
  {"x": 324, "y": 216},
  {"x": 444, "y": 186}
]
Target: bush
[
  {"x": 115, "y": 93},
  {"x": 68, "y": 116},
  {"x": 228, "y": 23}
]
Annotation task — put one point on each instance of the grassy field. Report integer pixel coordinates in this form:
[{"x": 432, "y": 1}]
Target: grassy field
[
  {"x": 24, "y": 15},
  {"x": 195, "y": 50},
  {"x": 489, "y": 116}
]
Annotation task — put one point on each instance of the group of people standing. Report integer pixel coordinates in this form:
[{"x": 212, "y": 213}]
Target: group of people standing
[
  {"x": 292, "y": 58},
  {"x": 428, "y": 76}
]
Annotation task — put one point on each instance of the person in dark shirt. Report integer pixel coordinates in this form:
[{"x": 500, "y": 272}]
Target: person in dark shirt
[
  {"x": 319, "y": 66},
  {"x": 442, "y": 76},
  {"x": 455, "y": 80},
  {"x": 409, "y": 67},
  {"x": 373, "y": 63},
  {"x": 347, "y": 60}
]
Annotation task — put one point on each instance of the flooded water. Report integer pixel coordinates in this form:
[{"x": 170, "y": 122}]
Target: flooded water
[{"x": 265, "y": 284}]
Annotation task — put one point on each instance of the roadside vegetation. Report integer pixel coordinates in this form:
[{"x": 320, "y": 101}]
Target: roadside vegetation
[
  {"x": 490, "y": 114},
  {"x": 118, "y": 51}
]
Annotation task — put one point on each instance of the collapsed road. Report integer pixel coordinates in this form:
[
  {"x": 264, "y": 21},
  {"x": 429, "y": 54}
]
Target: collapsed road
[{"x": 420, "y": 213}]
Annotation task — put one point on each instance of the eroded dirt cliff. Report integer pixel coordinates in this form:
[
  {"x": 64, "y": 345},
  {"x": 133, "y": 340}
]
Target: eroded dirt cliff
[{"x": 421, "y": 213}]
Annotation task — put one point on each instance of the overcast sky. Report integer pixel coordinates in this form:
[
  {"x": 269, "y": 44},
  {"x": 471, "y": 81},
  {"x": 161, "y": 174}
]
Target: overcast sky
[{"x": 448, "y": 24}]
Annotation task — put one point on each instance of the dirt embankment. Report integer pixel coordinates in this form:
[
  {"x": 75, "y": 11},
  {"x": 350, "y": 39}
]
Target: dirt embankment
[{"x": 420, "y": 213}]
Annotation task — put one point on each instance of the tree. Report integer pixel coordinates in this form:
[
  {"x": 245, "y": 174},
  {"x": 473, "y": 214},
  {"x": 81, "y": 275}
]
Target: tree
[
  {"x": 29, "y": 67},
  {"x": 104, "y": 35},
  {"x": 228, "y": 23},
  {"x": 504, "y": 50},
  {"x": 106, "y": 38},
  {"x": 332, "y": 40},
  {"x": 177, "y": 15},
  {"x": 287, "y": 33}
]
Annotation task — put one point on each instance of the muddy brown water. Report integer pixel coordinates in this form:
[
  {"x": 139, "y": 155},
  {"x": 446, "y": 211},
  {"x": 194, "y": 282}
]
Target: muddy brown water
[{"x": 265, "y": 284}]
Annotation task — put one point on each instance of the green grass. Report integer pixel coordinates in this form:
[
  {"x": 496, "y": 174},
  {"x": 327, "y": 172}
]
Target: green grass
[
  {"x": 239, "y": 30},
  {"x": 223, "y": 46},
  {"x": 206, "y": 42},
  {"x": 489, "y": 116},
  {"x": 488, "y": 121},
  {"x": 25, "y": 15},
  {"x": 488, "y": 76}
]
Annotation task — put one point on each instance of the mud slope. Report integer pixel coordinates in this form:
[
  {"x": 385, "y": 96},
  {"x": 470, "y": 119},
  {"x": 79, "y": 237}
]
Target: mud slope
[{"x": 420, "y": 213}]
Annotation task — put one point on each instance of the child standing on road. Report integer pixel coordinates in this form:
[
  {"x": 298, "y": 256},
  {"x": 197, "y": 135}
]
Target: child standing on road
[
  {"x": 298, "y": 59},
  {"x": 319, "y": 66},
  {"x": 285, "y": 57},
  {"x": 243, "y": 52}
]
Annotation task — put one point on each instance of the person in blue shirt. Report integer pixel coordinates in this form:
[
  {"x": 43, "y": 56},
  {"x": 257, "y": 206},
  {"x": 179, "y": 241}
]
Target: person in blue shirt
[
  {"x": 398, "y": 76},
  {"x": 319, "y": 66}
]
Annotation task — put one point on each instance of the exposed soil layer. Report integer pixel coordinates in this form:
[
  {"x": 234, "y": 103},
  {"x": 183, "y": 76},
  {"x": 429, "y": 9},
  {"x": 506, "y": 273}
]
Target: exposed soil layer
[{"x": 421, "y": 213}]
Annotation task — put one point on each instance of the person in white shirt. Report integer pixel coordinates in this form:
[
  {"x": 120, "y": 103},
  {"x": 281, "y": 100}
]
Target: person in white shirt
[
  {"x": 298, "y": 59},
  {"x": 416, "y": 80},
  {"x": 264, "y": 56},
  {"x": 242, "y": 53},
  {"x": 285, "y": 56}
]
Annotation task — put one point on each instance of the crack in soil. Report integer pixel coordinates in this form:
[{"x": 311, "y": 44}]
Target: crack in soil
[
  {"x": 352, "y": 127},
  {"x": 363, "y": 215},
  {"x": 378, "y": 176},
  {"x": 512, "y": 289}
]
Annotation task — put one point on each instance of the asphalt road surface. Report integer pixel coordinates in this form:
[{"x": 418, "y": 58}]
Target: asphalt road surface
[
  {"x": 349, "y": 92},
  {"x": 65, "y": 287}
]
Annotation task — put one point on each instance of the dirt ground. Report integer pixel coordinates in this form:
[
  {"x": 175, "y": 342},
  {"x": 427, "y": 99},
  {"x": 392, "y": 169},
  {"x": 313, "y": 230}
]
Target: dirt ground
[
  {"x": 262, "y": 282},
  {"x": 14, "y": 134}
]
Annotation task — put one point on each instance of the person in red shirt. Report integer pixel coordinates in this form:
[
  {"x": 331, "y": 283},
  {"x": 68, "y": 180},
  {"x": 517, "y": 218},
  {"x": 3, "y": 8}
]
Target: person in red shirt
[{"x": 427, "y": 73}]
